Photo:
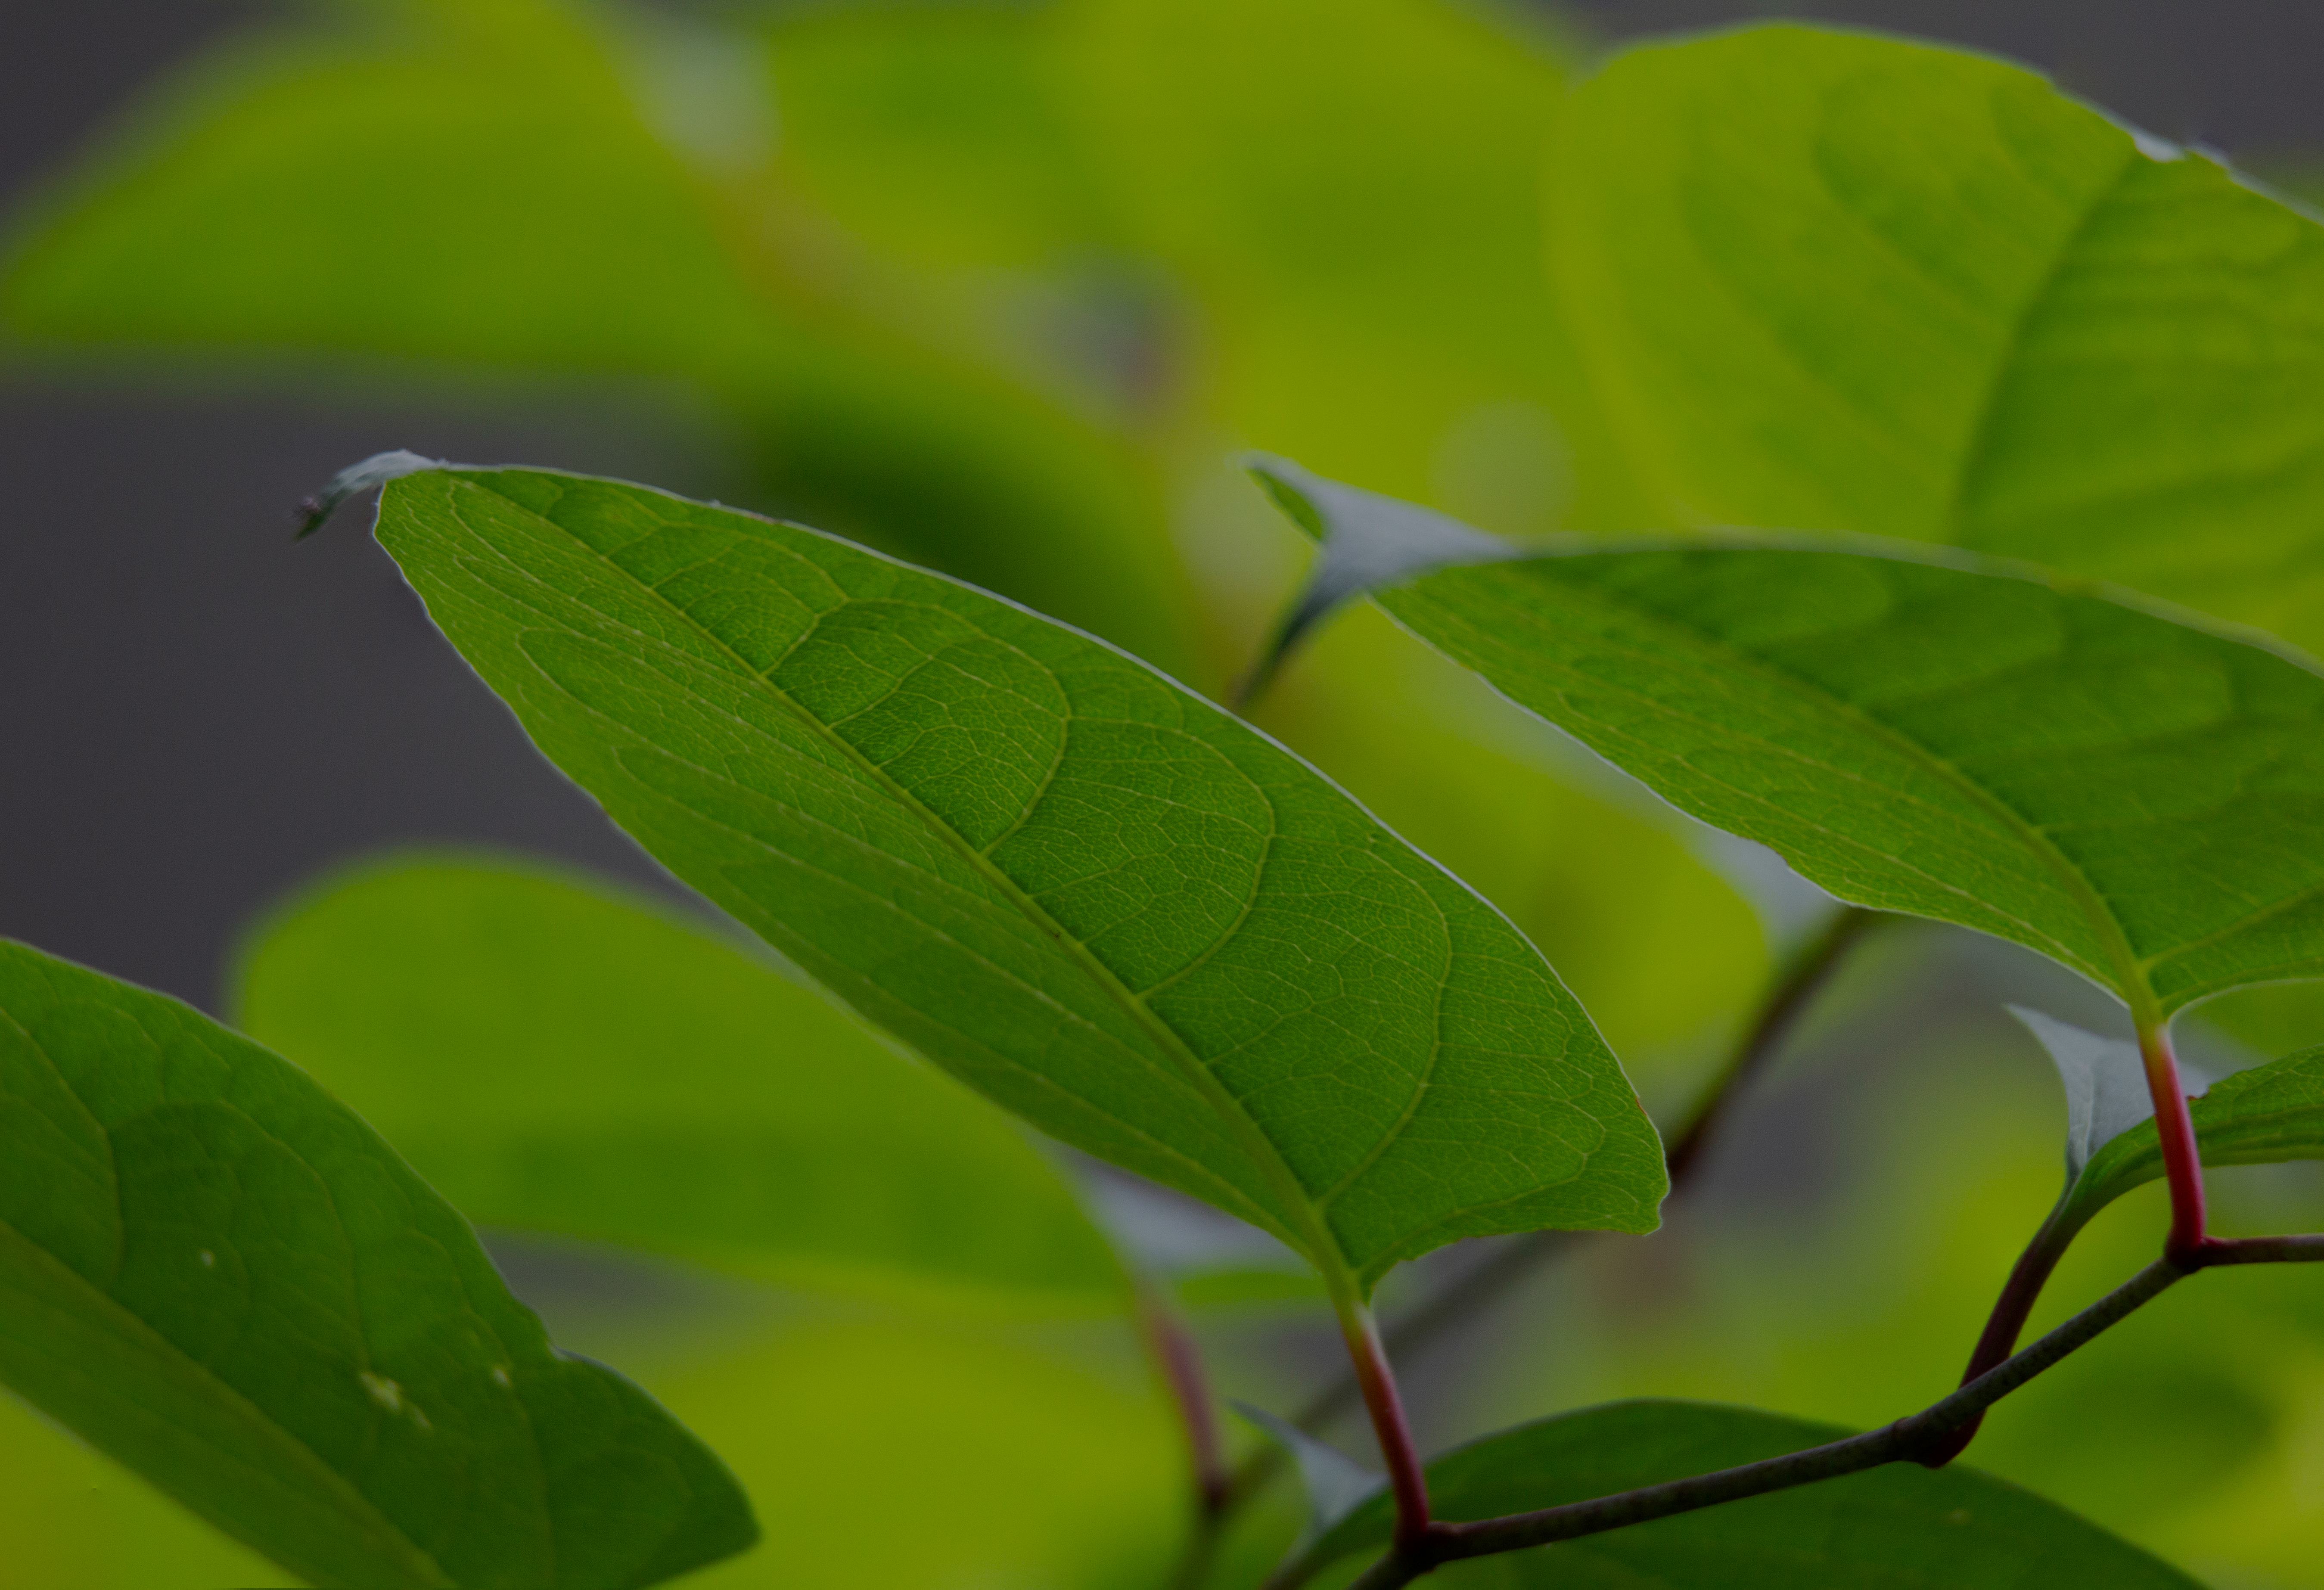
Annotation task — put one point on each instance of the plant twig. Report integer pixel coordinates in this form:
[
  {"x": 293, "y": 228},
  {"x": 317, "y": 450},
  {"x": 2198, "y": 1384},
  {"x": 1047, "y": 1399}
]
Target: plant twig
[{"x": 1906, "y": 1440}]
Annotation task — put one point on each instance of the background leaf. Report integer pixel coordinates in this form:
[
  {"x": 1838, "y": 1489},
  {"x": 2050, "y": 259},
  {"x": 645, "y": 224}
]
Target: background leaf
[
  {"x": 556, "y": 1055},
  {"x": 1829, "y": 280},
  {"x": 2137, "y": 798},
  {"x": 1885, "y": 1528},
  {"x": 554, "y": 225},
  {"x": 220, "y": 1277},
  {"x": 1091, "y": 894}
]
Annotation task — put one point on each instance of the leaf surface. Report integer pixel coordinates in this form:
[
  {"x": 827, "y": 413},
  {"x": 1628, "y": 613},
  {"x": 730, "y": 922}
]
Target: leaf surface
[
  {"x": 1901, "y": 1527},
  {"x": 216, "y": 1274},
  {"x": 1086, "y": 892},
  {"x": 2139, "y": 798},
  {"x": 1829, "y": 280},
  {"x": 555, "y": 1054}
]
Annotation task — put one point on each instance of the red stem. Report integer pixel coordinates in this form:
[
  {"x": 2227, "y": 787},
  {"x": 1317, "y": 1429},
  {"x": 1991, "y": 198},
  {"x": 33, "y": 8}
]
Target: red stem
[
  {"x": 2182, "y": 1161},
  {"x": 1406, "y": 1476}
]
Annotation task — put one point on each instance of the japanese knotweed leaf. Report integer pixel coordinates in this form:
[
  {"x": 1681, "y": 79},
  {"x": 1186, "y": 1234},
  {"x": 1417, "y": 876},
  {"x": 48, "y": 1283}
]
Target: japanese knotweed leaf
[
  {"x": 2266, "y": 1114},
  {"x": 217, "y": 1274},
  {"x": 1086, "y": 892},
  {"x": 1833, "y": 281},
  {"x": 553, "y": 1054},
  {"x": 1895, "y": 1527},
  {"x": 2139, "y": 798}
]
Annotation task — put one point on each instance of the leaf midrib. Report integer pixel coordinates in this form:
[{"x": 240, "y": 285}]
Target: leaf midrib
[
  {"x": 2130, "y": 979},
  {"x": 1323, "y": 1250}
]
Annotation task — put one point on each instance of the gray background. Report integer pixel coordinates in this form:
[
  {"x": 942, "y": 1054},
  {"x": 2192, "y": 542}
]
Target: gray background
[{"x": 198, "y": 714}]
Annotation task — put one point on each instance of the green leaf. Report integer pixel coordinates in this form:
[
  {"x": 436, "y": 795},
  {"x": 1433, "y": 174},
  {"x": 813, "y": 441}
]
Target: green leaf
[
  {"x": 2261, "y": 1117},
  {"x": 1089, "y": 894},
  {"x": 219, "y": 1276},
  {"x": 1350, "y": 192},
  {"x": 1885, "y": 1528},
  {"x": 2140, "y": 799},
  {"x": 554, "y": 1054},
  {"x": 1827, "y": 281}
]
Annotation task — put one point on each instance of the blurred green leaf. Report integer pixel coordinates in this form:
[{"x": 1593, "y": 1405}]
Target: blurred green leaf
[
  {"x": 1885, "y": 1529},
  {"x": 2139, "y": 799},
  {"x": 1091, "y": 894},
  {"x": 72, "y": 1516},
  {"x": 553, "y": 1054},
  {"x": 217, "y": 1275},
  {"x": 2269, "y": 1114},
  {"x": 499, "y": 190},
  {"x": 1349, "y": 192},
  {"x": 2273, "y": 1019},
  {"x": 1829, "y": 280},
  {"x": 942, "y": 135},
  {"x": 905, "y": 1452}
]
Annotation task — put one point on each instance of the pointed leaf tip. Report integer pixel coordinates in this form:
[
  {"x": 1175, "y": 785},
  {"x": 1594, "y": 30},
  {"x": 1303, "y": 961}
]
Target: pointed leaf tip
[{"x": 313, "y": 512}]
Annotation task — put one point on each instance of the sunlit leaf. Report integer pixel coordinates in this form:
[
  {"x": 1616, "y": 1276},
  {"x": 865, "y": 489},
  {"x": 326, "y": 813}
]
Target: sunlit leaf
[
  {"x": 1828, "y": 280},
  {"x": 1885, "y": 1528},
  {"x": 1350, "y": 192},
  {"x": 1091, "y": 894},
  {"x": 2138, "y": 798},
  {"x": 906, "y": 1453},
  {"x": 554, "y": 1055},
  {"x": 220, "y": 1277}
]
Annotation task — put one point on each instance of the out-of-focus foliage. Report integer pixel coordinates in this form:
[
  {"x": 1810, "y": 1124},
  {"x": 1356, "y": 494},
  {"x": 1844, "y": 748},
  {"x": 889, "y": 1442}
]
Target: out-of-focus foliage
[
  {"x": 558, "y": 1058},
  {"x": 1834, "y": 281},
  {"x": 999, "y": 287},
  {"x": 521, "y": 189}
]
